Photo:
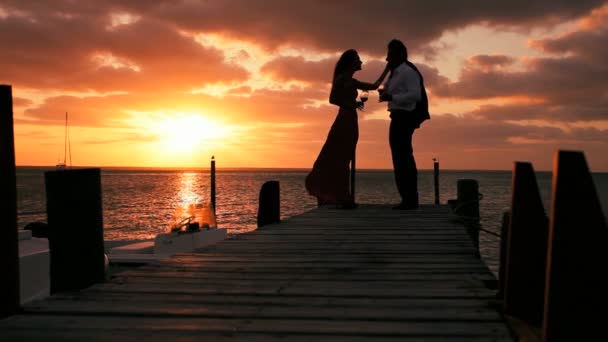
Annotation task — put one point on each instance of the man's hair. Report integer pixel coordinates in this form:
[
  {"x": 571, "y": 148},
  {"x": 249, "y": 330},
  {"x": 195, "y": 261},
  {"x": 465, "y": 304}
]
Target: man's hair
[{"x": 398, "y": 46}]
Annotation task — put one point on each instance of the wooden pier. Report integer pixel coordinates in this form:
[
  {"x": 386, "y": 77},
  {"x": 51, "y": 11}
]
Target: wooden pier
[{"x": 369, "y": 274}]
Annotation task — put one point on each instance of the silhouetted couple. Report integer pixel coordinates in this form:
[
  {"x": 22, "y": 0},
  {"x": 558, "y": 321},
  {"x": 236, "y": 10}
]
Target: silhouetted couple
[{"x": 407, "y": 102}]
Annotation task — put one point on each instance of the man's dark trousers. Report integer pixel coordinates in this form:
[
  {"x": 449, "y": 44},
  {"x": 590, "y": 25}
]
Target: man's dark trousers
[{"x": 400, "y": 138}]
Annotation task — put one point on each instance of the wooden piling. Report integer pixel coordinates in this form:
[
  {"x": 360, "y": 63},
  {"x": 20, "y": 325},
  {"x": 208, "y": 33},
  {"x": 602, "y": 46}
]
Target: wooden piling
[
  {"x": 74, "y": 211},
  {"x": 575, "y": 297},
  {"x": 269, "y": 210},
  {"x": 467, "y": 193},
  {"x": 9, "y": 249},
  {"x": 467, "y": 208},
  {"x": 526, "y": 250},
  {"x": 502, "y": 261}
]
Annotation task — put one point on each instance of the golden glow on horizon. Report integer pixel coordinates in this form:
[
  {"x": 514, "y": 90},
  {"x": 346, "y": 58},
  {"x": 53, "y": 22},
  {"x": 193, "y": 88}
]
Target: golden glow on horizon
[{"x": 186, "y": 133}]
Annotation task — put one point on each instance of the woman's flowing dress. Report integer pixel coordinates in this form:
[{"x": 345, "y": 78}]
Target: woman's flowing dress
[{"x": 329, "y": 178}]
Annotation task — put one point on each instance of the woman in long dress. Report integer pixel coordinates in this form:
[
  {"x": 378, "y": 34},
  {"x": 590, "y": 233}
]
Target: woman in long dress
[{"x": 329, "y": 178}]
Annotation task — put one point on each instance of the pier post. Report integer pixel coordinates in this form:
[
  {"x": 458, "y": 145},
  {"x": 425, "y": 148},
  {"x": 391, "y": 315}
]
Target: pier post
[
  {"x": 9, "y": 245},
  {"x": 575, "y": 296},
  {"x": 468, "y": 198},
  {"x": 467, "y": 207},
  {"x": 526, "y": 255},
  {"x": 502, "y": 261},
  {"x": 353, "y": 170},
  {"x": 436, "y": 179},
  {"x": 213, "y": 183},
  {"x": 75, "y": 218},
  {"x": 269, "y": 210}
]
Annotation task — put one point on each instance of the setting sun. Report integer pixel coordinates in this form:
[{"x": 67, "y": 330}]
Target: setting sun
[{"x": 185, "y": 133}]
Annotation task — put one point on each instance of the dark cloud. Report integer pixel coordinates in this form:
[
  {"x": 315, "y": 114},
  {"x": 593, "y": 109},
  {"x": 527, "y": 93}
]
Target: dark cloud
[
  {"x": 51, "y": 53},
  {"x": 544, "y": 111},
  {"x": 566, "y": 81},
  {"x": 298, "y": 68},
  {"x": 569, "y": 82},
  {"x": 321, "y": 24},
  {"x": 59, "y": 45},
  {"x": 477, "y": 143},
  {"x": 490, "y": 61},
  {"x": 92, "y": 111},
  {"x": 21, "y": 102},
  {"x": 331, "y": 25}
]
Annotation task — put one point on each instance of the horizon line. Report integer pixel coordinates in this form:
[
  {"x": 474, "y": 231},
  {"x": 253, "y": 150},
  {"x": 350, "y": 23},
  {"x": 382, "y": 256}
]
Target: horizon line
[{"x": 292, "y": 169}]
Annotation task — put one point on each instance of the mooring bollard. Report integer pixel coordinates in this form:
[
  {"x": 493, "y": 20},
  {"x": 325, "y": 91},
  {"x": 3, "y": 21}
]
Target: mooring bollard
[
  {"x": 466, "y": 208},
  {"x": 9, "y": 249},
  {"x": 75, "y": 218},
  {"x": 269, "y": 210},
  {"x": 468, "y": 198}
]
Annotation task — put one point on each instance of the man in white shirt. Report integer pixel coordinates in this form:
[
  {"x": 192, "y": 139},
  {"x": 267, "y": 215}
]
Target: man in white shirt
[{"x": 408, "y": 104}]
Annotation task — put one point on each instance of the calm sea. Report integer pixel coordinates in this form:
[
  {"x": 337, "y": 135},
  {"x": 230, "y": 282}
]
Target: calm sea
[{"x": 138, "y": 204}]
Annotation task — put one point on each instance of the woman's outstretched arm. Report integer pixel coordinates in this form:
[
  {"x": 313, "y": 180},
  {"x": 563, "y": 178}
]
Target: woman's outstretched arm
[{"x": 375, "y": 85}]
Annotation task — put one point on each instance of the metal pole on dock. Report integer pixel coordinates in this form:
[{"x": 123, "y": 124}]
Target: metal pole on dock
[
  {"x": 213, "y": 183},
  {"x": 436, "y": 178},
  {"x": 9, "y": 248},
  {"x": 352, "y": 177}
]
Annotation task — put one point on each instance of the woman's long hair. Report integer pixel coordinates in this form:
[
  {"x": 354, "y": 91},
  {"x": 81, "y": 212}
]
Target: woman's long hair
[{"x": 345, "y": 62}]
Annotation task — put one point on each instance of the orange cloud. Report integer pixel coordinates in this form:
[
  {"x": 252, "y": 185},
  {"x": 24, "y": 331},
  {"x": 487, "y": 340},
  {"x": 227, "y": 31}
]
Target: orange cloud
[{"x": 110, "y": 62}]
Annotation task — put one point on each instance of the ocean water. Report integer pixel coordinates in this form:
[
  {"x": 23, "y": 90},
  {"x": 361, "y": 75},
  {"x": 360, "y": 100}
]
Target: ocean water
[{"x": 138, "y": 204}]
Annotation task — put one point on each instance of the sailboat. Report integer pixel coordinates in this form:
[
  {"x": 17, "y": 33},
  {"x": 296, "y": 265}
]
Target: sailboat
[{"x": 66, "y": 146}]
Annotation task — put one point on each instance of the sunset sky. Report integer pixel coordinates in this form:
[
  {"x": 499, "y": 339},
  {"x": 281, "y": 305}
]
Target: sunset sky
[{"x": 170, "y": 83}]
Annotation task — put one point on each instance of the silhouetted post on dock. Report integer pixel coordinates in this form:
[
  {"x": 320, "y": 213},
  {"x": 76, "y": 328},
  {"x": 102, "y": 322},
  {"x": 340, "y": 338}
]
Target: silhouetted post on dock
[
  {"x": 436, "y": 179},
  {"x": 213, "y": 182},
  {"x": 467, "y": 193},
  {"x": 75, "y": 217},
  {"x": 502, "y": 261},
  {"x": 269, "y": 210},
  {"x": 352, "y": 177},
  {"x": 576, "y": 296},
  {"x": 467, "y": 206},
  {"x": 9, "y": 245},
  {"x": 526, "y": 256}
]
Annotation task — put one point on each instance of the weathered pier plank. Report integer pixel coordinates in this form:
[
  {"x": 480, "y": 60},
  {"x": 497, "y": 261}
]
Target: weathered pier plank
[{"x": 370, "y": 274}]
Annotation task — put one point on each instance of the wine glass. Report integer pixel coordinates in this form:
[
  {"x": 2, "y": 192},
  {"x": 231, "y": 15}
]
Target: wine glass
[{"x": 364, "y": 96}]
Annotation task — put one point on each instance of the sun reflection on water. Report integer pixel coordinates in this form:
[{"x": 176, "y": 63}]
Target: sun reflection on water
[{"x": 188, "y": 193}]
